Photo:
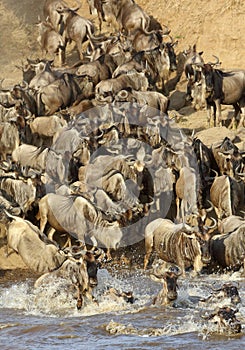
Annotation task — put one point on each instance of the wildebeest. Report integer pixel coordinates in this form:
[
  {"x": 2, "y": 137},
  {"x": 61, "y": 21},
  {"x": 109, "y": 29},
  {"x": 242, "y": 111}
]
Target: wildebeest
[
  {"x": 153, "y": 99},
  {"x": 177, "y": 243},
  {"x": 127, "y": 14},
  {"x": 76, "y": 28},
  {"x": 228, "y": 250},
  {"x": 168, "y": 277},
  {"x": 227, "y": 156},
  {"x": 79, "y": 217},
  {"x": 228, "y": 290},
  {"x": 106, "y": 90},
  {"x": 6, "y": 98},
  {"x": 43, "y": 74},
  {"x": 96, "y": 70},
  {"x": 47, "y": 126},
  {"x": 43, "y": 160},
  {"x": 192, "y": 72},
  {"x": 224, "y": 321},
  {"x": 51, "y": 42},
  {"x": 59, "y": 94},
  {"x": 20, "y": 191},
  {"x": 187, "y": 191},
  {"x": 9, "y": 139},
  {"x": 96, "y": 7},
  {"x": 25, "y": 239},
  {"x": 224, "y": 88},
  {"x": 11, "y": 207},
  {"x": 230, "y": 223},
  {"x": 227, "y": 195},
  {"x": 75, "y": 273},
  {"x": 51, "y": 12},
  {"x": 117, "y": 296}
]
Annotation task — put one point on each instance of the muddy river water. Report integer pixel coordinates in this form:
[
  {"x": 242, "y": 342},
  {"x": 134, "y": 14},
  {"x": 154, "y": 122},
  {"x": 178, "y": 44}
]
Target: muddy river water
[{"x": 47, "y": 319}]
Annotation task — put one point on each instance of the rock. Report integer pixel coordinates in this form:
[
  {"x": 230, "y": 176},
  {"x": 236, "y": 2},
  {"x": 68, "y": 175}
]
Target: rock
[
  {"x": 217, "y": 134},
  {"x": 177, "y": 100}
]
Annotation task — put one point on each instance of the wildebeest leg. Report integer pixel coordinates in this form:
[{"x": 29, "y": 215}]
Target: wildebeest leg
[
  {"x": 43, "y": 221},
  {"x": 148, "y": 249},
  {"x": 61, "y": 56},
  {"x": 243, "y": 272},
  {"x": 180, "y": 262},
  {"x": 108, "y": 254},
  {"x": 197, "y": 265},
  {"x": 183, "y": 208},
  {"x": 79, "y": 297},
  {"x": 209, "y": 115},
  {"x": 79, "y": 48},
  {"x": 8, "y": 251},
  {"x": 217, "y": 106},
  {"x": 233, "y": 123},
  {"x": 51, "y": 233},
  {"x": 178, "y": 209}
]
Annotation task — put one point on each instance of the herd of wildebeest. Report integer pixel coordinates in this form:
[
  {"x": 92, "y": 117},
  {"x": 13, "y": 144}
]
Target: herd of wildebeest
[{"x": 90, "y": 151}]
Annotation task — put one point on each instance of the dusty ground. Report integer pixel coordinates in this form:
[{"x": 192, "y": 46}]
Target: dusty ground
[{"x": 217, "y": 27}]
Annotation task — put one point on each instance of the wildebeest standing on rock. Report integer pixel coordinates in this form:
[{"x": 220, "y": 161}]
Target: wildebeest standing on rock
[
  {"x": 51, "y": 42},
  {"x": 51, "y": 12},
  {"x": 192, "y": 72},
  {"x": 224, "y": 87},
  {"x": 127, "y": 14},
  {"x": 76, "y": 28}
]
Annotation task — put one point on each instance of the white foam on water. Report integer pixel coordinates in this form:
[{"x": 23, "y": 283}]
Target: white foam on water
[{"x": 51, "y": 299}]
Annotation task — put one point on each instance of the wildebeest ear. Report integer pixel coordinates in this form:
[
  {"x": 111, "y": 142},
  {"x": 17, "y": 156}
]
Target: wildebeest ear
[
  {"x": 208, "y": 317},
  {"x": 156, "y": 279}
]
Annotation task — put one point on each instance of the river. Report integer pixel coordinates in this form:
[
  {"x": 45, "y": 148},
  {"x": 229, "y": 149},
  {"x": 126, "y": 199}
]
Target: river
[{"x": 47, "y": 319}]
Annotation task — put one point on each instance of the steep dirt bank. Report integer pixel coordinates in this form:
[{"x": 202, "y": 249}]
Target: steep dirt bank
[{"x": 217, "y": 27}]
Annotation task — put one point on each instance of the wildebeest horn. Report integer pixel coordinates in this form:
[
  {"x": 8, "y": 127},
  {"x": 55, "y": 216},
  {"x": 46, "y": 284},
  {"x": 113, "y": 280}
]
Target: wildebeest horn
[
  {"x": 215, "y": 63},
  {"x": 167, "y": 30},
  {"x": 123, "y": 94},
  {"x": 208, "y": 317},
  {"x": 77, "y": 7},
  {"x": 24, "y": 85},
  {"x": 208, "y": 210},
  {"x": 20, "y": 68},
  {"x": 214, "y": 224},
  {"x": 98, "y": 136}
]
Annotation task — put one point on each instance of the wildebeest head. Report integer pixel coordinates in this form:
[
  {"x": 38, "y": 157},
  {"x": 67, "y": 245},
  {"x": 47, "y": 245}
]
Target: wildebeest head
[
  {"x": 168, "y": 277},
  {"x": 92, "y": 269},
  {"x": 192, "y": 68},
  {"x": 172, "y": 55},
  {"x": 89, "y": 259},
  {"x": 209, "y": 74},
  {"x": 228, "y": 290},
  {"x": 204, "y": 239},
  {"x": 225, "y": 319}
]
